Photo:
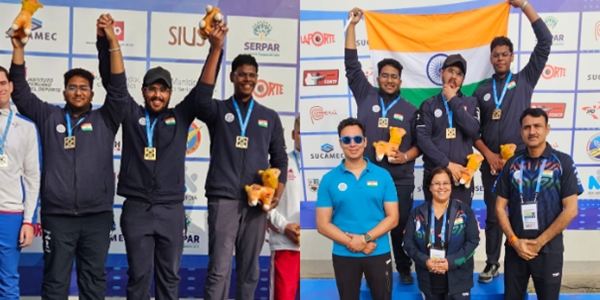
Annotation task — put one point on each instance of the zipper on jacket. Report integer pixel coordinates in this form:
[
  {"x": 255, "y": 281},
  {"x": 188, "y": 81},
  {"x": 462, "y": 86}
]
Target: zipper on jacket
[
  {"x": 75, "y": 175},
  {"x": 241, "y": 172}
]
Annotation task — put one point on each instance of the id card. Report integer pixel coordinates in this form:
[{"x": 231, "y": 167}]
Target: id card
[
  {"x": 437, "y": 254},
  {"x": 530, "y": 216}
]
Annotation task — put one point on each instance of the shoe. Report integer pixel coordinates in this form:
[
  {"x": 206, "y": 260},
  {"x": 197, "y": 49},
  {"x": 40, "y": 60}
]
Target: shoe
[
  {"x": 488, "y": 274},
  {"x": 406, "y": 277}
]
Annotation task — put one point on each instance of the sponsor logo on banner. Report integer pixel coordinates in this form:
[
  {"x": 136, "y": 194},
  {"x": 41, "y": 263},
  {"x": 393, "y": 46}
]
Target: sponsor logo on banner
[
  {"x": 362, "y": 43},
  {"x": 119, "y": 29},
  {"x": 191, "y": 188},
  {"x": 116, "y": 237},
  {"x": 186, "y": 36},
  {"x": 592, "y": 111},
  {"x": 593, "y": 187},
  {"x": 597, "y": 31},
  {"x": 313, "y": 184},
  {"x": 267, "y": 89},
  {"x": 193, "y": 139},
  {"x": 551, "y": 72},
  {"x": 327, "y": 153},
  {"x": 43, "y": 84},
  {"x": 39, "y": 34},
  {"x": 191, "y": 239},
  {"x": 593, "y": 77},
  {"x": 318, "y": 38},
  {"x": 321, "y": 77},
  {"x": 368, "y": 73},
  {"x": 434, "y": 66},
  {"x": 558, "y": 39},
  {"x": 553, "y": 110},
  {"x": 262, "y": 45},
  {"x": 593, "y": 147},
  {"x": 317, "y": 113}
]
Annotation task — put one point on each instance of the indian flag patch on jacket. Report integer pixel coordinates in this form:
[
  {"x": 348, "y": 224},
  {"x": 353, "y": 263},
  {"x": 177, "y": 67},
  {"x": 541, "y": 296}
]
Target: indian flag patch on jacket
[
  {"x": 399, "y": 117},
  {"x": 86, "y": 127},
  {"x": 170, "y": 121},
  {"x": 263, "y": 123},
  {"x": 372, "y": 183},
  {"x": 547, "y": 174},
  {"x": 511, "y": 85}
]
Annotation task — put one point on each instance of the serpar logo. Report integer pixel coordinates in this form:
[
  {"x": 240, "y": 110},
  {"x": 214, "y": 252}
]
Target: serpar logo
[
  {"x": 191, "y": 240},
  {"x": 593, "y": 147},
  {"x": 551, "y": 72},
  {"x": 313, "y": 184},
  {"x": 193, "y": 139},
  {"x": 190, "y": 188},
  {"x": 326, "y": 153},
  {"x": 558, "y": 39},
  {"x": 592, "y": 110},
  {"x": 267, "y": 89},
  {"x": 317, "y": 113},
  {"x": 434, "y": 66},
  {"x": 262, "y": 46},
  {"x": 318, "y": 38}
]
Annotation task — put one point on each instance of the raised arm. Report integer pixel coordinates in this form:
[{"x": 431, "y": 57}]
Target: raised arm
[
  {"x": 102, "y": 45},
  {"x": 27, "y": 102},
  {"x": 358, "y": 83}
]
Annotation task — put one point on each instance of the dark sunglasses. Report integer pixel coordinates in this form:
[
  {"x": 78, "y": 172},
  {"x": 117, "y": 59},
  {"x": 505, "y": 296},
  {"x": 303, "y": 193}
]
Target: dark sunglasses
[{"x": 346, "y": 140}]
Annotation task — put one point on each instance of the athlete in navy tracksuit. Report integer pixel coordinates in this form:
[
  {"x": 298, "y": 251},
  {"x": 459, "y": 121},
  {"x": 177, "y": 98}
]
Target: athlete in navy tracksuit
[
  {"x": 245, "y": 137},
  {"x": 446, "y": 113},
  {"x": 78, "y": 183},
  {"x": 152, "y": 175}
]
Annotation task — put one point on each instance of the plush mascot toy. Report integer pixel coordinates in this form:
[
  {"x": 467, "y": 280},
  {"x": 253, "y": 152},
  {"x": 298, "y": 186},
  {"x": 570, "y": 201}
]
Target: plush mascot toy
[
  {"x": 386, "y": 148},
  {"x": 264, "y": 193},
  {"x": 473, "y": 164},
  {"x": 21, "y": 27},
  {"x": 213, "y": 14},
  {"x": 506, "y": 152}
]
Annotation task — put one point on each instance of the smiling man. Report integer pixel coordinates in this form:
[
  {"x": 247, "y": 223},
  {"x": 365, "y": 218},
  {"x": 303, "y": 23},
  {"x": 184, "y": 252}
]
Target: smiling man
[
  {"x": 501, "y": 100},
  {"x": 378, "y": 109}
]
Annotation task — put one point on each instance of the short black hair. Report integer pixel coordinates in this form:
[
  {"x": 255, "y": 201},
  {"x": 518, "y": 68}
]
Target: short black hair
[
  {"x": 389, "y": 62},
  {"x": 501, "y": 41},
  {"x": 243, "y": 59},
  {"x": 350, "y": 122},
  {"x": 87, "y": 75},
  {"x": 5, "y": 71},
  {"x": 534, "y": 112},
  {"x": 435, "y": 171}
]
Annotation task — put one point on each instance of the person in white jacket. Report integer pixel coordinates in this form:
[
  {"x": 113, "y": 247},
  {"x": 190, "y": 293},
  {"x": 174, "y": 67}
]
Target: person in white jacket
[
  {"x": 284, "y": 225},
  {"x": 19, "y": 188}
]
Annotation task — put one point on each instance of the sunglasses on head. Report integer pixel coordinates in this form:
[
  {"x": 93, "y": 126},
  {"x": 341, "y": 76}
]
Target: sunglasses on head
[{"x": 346, "y": 140}]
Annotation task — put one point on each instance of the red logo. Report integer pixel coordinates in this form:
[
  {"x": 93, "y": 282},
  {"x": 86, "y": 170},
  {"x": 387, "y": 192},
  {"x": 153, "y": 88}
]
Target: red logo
[
  {"x": 553, "y": 110},
  {"x": 321, "y": 77},
  {"x": 318, "y": 38},
  {"x": 369, "y": 72},
  {"x": 317, "y": 113},
  {"x": 290, "y": 175},
  {"x": 592, "y": 110},
  {"x": 597, "y": 30},
  {"x": 37, "y": 229},
  {"x": 551, "y": 72},
  {"x": 119, "y": 28},
  {"x": 266, "y": 89}
]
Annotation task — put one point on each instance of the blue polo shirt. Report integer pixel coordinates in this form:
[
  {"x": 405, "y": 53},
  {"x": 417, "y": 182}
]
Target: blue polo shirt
[
  {"x": 357, "y": 203},
  {"x": 559, "y": 180}
]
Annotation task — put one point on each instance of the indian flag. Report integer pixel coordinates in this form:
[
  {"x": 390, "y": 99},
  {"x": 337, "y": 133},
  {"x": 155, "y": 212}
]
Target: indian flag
[
  {"x": 86, "y": 127},
  {"x": 421, "y": 43},
  {"x": 263, "y": 123},
  {"x": 372, "y": 183},
  {"x": 170, "y": 121}
]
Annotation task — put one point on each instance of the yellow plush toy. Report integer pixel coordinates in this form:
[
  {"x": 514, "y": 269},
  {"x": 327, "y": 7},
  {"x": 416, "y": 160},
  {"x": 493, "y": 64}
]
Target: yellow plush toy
[
  {"x": 386, "y": 148},
  {"x": 21, "y": 27},
  {"x": 473, "y": 163},
  {"x": 264, "y": 193},
  {"x": 506, "y": 152},
  {"x": 213, "y": 14}
]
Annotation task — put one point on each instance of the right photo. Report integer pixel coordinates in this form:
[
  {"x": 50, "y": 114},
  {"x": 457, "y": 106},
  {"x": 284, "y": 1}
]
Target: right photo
[{"x": 449, "y": 149}]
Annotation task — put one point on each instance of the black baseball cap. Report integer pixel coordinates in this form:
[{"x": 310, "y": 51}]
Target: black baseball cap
[
  {"x": 158, "y": 73},
  {"x": 456, "y": 60}
]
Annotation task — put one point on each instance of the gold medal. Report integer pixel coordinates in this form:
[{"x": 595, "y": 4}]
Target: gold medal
[
  {"x": 241, "y": 142},
  {"x": 496, "y": 114},
  {"x": 150, "y": 153},
  {"x": 450, "y": 133},
  {"x": 383, "y": 123},
  {"x": 70, "y": 142}
]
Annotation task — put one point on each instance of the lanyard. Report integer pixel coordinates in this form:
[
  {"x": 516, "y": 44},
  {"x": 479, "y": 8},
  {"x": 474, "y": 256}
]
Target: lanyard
[
  {"x": 448, "y": 111},
  {"x": 384, "y": 110},
  {"x": 69, "y": 128},
  {"x": 539, "y": 180},
  {"x": 499, "y": 101},
  {"x": 297, "y": 159},
  {"x": 150, "y": 129},
  {"x": 432, "y": 226},
  {"x": 243, "y": 123},
  {"x": 5, "y": 134}
]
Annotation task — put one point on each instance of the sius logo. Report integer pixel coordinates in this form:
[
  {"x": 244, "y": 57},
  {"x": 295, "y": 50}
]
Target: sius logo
[
  {"x": 266, "y": 88},
  {"x": 434, "y": 66},
  {"x": 318, "y": 38},
  {"x": 179, "y": 35},
  {"x": 318, "y": 113},
  {"x": 551, "y": 72}
]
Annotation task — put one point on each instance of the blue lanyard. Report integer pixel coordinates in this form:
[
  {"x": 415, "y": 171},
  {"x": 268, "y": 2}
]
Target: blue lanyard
[
  {"x": 297, "y": 159},
  {"x": 539, "y": 180},
  {"x": 448, "y": 111},
  {"x": 499, "y": 101},
  {"x": 432, "y": 226},
  {"x": 5, "y": 134},
  {"x": 69, "y": 128},
  {"x": 384, "y": 110},
  {"x": 150, "y": 129},
  {"x": 243, "y": 123}
]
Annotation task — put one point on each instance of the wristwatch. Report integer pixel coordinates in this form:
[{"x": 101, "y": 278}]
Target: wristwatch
[{"x": 367, "y": 237}]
